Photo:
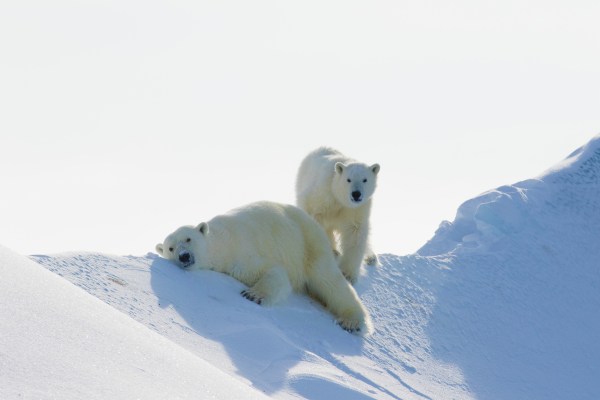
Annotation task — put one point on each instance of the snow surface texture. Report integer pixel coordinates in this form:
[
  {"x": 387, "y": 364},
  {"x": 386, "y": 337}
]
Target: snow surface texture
[{"x": 502, "y": 303}]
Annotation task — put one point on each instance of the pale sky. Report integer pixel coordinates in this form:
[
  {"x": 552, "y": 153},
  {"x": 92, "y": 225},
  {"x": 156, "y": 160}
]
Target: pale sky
[{"x": 122, "y": 120}]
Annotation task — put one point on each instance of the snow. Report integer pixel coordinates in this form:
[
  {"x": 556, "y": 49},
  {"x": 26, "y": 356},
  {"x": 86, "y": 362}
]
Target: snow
[
  {"x": 58, "y": 341},
  {"x": 501, "y": 303}
]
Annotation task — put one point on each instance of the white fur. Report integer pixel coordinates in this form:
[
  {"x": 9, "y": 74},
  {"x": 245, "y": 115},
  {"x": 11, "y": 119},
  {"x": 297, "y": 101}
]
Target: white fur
[
  {"x": 336, "y": 191},
  {"x": 274, "y": 249}
]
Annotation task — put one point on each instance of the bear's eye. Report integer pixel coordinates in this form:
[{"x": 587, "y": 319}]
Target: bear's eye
[
  {"x": 171, "y": 249},
  {"x": 349, "y": 180},
  {"x": 188, "y": 240},
  {"x": 365, "y": 180}
]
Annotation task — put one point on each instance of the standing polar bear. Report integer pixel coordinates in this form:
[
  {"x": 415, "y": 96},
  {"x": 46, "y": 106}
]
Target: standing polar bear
[
  {"x": 336, "y": 191},
  {"x": 274, "y": 249}
]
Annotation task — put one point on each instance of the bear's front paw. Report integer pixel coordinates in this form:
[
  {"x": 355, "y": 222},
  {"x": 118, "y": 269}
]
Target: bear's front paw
[
  {"x": 350, "y": 278},
  {"x": 351, "y": 326},
  {"x": 252, "y": 296},
  {"x": 372, "y": 260}
]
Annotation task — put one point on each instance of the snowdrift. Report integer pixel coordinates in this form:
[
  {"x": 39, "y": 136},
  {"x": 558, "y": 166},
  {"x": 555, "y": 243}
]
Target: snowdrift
[
  {"x": 57, "y": 341},
  {"x": 502, "y": 303},
  {"x": 518, "y": 310}
]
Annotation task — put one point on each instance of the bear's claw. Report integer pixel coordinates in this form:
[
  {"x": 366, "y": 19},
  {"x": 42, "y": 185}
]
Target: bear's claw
[
  {"x": 251, "y": 297},
  {"x": 351, "y": 327}
]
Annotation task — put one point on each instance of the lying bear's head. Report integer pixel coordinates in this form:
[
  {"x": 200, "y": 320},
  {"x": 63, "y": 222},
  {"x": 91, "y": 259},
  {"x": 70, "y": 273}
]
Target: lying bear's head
[
  {"x": 354, "y": 183},
  {"x": 185, "y": 246}
]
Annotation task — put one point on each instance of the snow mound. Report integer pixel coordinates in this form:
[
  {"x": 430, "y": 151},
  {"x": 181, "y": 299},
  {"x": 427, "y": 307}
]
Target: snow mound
[
  {"x": 59, "y": 342},
  {"x": 518, "y": 313},
  {"x": 566, "y": 191}
]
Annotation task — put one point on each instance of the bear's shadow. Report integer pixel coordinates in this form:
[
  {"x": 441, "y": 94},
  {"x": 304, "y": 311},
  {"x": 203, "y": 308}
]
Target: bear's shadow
[{"x": 264, "y": 343}]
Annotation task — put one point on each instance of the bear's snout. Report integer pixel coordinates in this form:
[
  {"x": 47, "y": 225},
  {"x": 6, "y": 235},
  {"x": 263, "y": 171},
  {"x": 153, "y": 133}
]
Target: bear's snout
[
  {"x": 356, "y": 196},
  {"x": 184, "y": 258}
]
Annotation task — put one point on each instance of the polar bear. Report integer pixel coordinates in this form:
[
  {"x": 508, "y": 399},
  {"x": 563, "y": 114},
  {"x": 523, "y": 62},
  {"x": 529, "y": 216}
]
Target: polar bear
[
  {"x": 336, "y": 191},
  {"x": 274, "y": 249}
]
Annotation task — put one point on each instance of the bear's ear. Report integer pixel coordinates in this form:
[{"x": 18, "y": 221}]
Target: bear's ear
[
  {"x": 339, "y": 167},
  {"x": 159, "y": 248},
  {"x": 202, "y": 228},
  {"x": 375, "y": 168}
]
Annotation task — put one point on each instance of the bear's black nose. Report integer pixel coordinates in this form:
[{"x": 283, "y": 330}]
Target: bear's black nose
[
  {"x": 184, "y": 257},
  {"x": 356, "y": 195}
]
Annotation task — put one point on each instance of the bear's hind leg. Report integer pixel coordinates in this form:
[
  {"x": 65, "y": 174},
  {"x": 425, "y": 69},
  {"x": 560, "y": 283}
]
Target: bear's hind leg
[{"x": 273, "y": 287}]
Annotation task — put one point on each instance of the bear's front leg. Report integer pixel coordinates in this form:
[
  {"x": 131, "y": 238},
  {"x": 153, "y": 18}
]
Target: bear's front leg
[
  {"x": 353, "y": 242},
  {"x": 330, "y": 231},
  {"x": 272, "y": 287},
  {"x": 371, "y": 258},
  {"x": 328, "y": 285}
]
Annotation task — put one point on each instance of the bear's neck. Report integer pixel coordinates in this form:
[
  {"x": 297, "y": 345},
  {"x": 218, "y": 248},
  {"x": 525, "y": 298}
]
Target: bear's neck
[{"x": 216, "y": 246}]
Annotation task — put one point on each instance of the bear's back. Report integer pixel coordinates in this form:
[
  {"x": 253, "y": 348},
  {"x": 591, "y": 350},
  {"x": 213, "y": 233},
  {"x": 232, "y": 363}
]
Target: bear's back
[
  {"x": 316, "y": 174},
  {"x": 264, "y": 218},
  {"x": 315, "y": 179},
  {"x": 324, "y": 157},
  {"x": 262, "y": 229}
]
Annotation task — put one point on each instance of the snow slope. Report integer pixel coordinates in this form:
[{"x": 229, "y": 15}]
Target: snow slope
[
  {"x": 294, "y": 350},
  {"x": 56, "y": 341},
  {"x": 502, "y": 303},
  {"x": 518, "y": 311}
]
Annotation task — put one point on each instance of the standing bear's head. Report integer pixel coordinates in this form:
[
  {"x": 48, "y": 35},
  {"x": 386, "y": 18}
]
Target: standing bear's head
[
  {"x": 186, "y": 246},
  {"x": 354, "y": 183}
]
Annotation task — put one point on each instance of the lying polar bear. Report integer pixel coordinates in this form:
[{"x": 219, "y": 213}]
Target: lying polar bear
[{"x": 274, "y": 249}]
